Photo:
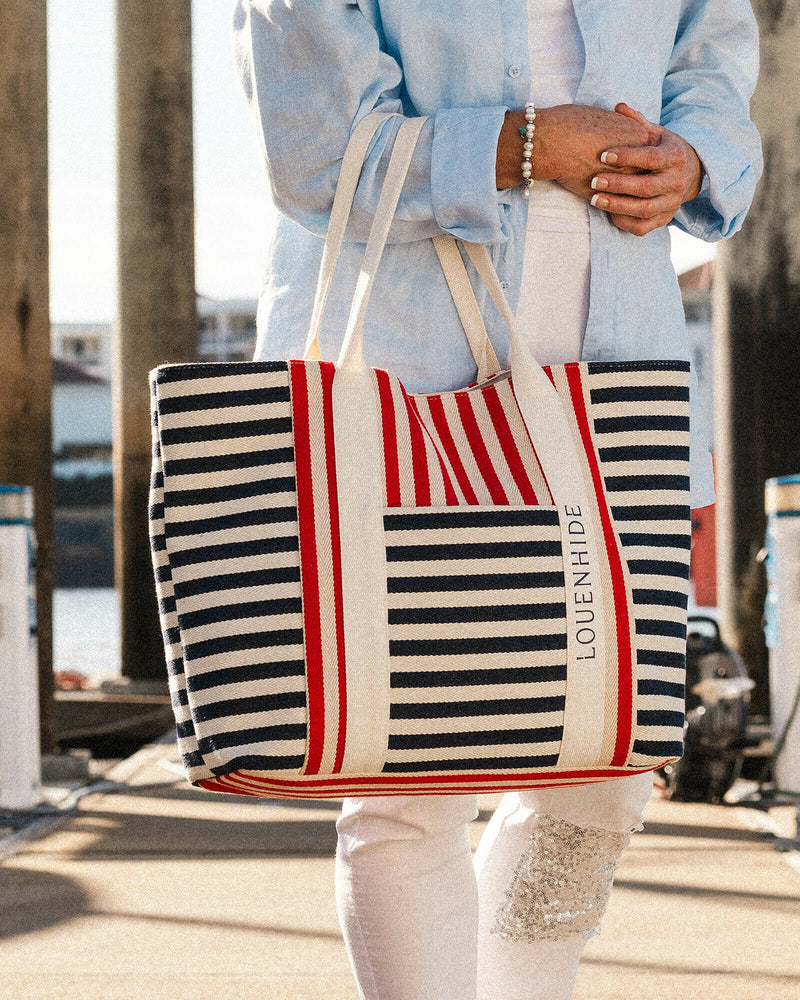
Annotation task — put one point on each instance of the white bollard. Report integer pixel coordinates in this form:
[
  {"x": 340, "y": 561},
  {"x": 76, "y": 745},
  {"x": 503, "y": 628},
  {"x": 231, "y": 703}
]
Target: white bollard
[
  {"x": 20, "y": 755},
  {"x": 782, "y": 505}
]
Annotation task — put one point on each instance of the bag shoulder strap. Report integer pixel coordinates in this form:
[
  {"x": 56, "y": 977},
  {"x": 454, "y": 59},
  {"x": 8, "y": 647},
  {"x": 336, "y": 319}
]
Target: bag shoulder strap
[
  {"x": 450, "y": 259},
  {"x": 349, "y": 174},
  {"x": 351, "y": 356},
  {"x": 466, "y": 304}
]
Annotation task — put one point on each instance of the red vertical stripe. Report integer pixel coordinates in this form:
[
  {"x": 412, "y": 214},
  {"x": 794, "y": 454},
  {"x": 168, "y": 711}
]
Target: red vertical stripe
[
  {"x": 450, "y": 497},
  {"x": 508, "y": 444},
  {"x": 419, "y": 456},
  {"x": 551, "y": 502},
  {"x": 390, "y": 457},
  {"x": 625, "y": 663},
  {"x": 473, "y": 434},
  {"x": 442, "y": 429},
  {"x": 327, "y": 371},
  {"x": 312, "y": 630}
]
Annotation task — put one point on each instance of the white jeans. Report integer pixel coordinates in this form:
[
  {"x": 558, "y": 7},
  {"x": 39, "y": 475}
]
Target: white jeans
[{"x": 423, "y": 920}]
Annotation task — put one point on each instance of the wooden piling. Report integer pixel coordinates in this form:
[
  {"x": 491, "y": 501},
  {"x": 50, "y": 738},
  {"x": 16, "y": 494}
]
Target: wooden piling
[
  {"x": 157, "y": 314},
  {"x": 25, "y": 367},
  {"x": 757, "y": 336}
]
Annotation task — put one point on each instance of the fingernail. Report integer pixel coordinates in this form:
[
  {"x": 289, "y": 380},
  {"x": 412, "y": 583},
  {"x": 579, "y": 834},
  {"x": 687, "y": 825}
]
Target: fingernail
[
  {"x": 599, "y": 201},
  {"x": 608, "y": 158},
  {"x": 599, "y": 182}
]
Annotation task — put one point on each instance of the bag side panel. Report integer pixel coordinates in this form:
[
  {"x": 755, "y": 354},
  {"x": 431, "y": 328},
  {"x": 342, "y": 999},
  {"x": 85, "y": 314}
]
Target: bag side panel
[
  {"x": 165, "y": 593},
  {"x": 231, "y": 536},
  {"x": 640, "y": 413}
]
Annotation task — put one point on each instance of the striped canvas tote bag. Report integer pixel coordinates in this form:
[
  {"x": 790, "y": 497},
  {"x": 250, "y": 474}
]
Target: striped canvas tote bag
[{"x": 368, "y": 591}]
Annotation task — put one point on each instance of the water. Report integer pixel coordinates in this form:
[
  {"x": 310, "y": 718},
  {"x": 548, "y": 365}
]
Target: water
[{"x": 86, "y": 632}]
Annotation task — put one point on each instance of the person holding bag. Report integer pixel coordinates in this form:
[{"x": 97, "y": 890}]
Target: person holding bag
[{"x": 563, "y": 136}]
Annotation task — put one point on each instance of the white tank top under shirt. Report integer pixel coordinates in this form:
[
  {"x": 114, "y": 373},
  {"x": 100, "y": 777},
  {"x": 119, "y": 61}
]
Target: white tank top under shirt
[{"x": 554, "y": 296}]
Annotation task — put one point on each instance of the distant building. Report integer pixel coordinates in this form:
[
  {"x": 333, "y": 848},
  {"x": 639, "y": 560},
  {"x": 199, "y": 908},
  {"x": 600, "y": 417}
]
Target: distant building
[
  {"x": 81, "y": 412},
  {"x": 82, "y": 367},
  {"x": 85, "y": 344},
  {"x": 82, "y": 430},
  {"x": 226, "y": 332},
  {"x": 227, "y": 329}
]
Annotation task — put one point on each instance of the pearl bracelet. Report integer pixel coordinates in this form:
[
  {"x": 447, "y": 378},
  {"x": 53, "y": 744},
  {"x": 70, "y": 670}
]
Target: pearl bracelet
[{"x": 527, "y": 135}]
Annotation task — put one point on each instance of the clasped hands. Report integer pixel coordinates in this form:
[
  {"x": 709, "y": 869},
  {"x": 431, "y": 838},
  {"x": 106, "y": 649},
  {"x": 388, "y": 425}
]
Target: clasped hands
[{"x": 637, "y": 171}]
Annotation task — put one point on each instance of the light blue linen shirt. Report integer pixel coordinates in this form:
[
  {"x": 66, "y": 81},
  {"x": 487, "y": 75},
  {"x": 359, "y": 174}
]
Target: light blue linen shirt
[{"x": 312, "y": 68}]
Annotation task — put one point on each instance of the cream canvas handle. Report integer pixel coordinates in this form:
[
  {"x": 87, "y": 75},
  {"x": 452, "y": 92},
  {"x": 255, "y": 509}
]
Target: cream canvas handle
[
  {"x": 349, "y": 174},
  {"x": 358, "y": 449},
  {"x": 463, "y": 297},
  {"x": 351, "y": 355},
  {"x": 466, "y": 304},
  {"x": 540, "y": 402}
]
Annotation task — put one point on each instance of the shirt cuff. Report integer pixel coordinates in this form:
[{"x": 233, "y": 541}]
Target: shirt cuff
[
  {"x": 463, "y": 173},
  {"x": 719, "y": 209}
]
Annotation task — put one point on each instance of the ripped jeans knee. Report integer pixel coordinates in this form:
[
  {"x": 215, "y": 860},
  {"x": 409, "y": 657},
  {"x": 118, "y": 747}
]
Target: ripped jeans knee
[{"x": 562, "y": 883}]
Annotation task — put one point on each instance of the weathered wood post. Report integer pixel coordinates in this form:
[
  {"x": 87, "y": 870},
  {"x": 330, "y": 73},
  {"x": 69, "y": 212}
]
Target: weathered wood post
[
  {"x": 757, "y": 326},
  {"x": 157, "y": 316},
  {"x": 25, "y": 368}
]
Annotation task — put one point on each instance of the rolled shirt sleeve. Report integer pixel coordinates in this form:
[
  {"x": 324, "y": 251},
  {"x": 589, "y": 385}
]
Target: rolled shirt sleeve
[
  {"x": 311, "y": 69},
  {"x": 464, "y": 201},
  {"x": 706, "y": 100}
]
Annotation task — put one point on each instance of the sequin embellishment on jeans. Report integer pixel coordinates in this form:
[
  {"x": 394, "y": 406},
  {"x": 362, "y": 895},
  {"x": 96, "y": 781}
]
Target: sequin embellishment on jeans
[{"x": 562, "y": 883}]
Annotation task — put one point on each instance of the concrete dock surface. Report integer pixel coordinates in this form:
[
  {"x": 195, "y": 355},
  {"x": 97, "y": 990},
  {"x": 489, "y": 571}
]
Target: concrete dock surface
[{"x": 149, "y": 889}]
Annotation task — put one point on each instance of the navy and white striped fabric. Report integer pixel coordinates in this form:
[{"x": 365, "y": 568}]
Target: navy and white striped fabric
[
  {"x": 244, "y": 540},
  {"x": 641, "y": 436},
  {"x": 493, "y": 696}
]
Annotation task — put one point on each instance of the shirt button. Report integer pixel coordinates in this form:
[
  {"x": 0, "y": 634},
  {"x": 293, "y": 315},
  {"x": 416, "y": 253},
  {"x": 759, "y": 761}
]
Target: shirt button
[
  {"x": 514, "y": 71},
  {"x": 505, "y": 285}
]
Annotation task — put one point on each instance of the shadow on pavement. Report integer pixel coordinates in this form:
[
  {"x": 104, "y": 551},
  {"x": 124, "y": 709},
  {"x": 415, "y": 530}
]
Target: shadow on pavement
[
  {"x": 184, "y": 920},
  {"x": 667, "y": 969},
  {"x": 33, "y": 900},
  {"x": 696, "y": 832},
  {"x": 185, "y": 793},
  {"x": 725, "y": 897},
  {"x": 693, "y": 831},
  {"x": 95, "y": 833}
]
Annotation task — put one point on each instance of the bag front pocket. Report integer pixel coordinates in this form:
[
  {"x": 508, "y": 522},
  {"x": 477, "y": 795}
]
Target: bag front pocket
[{"x": 477, "y": 637}]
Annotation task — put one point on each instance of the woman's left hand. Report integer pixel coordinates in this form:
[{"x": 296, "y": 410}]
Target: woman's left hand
[{"x": 670, "y": 173}]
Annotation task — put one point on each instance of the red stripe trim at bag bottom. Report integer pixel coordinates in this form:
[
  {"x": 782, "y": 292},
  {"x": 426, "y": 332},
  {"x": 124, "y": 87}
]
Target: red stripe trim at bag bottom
[
  {"x": 328, "y": 370},
  {"x": 312, "y": 627},
  {"x": 416, "y": 784},
  {"x": 621, "y": 611}
]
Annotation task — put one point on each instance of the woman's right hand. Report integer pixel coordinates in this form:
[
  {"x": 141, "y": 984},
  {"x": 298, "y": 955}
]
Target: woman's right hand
[{"x": 567, "y": 144}]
